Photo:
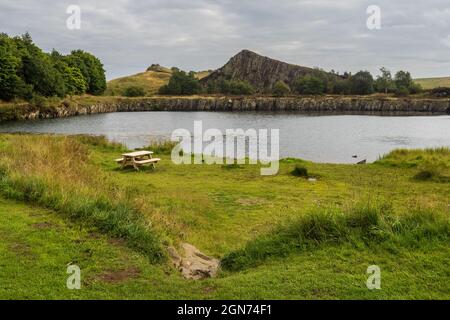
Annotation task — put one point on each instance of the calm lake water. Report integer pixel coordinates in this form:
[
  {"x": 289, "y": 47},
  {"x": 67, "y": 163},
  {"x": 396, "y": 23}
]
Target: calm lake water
[{"x": 320, "y": 138}]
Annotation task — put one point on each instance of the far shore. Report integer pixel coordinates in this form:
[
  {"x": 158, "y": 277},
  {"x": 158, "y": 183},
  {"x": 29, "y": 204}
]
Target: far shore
[{"x": 79, "y": 105}]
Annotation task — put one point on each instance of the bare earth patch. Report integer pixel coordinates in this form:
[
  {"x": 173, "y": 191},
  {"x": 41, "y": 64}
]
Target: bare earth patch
[{"x": 119, "y": 275}]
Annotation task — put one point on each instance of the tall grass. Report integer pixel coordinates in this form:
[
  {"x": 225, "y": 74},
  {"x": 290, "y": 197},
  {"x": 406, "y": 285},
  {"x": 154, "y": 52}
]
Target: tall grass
[
  {"x": 55, "y": 172},
  {"x": 362, "y": 225}
]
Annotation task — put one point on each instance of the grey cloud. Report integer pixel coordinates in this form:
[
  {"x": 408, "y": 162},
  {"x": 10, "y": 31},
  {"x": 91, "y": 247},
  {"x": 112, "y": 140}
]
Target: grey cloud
[{"x": 202, "y": 34}]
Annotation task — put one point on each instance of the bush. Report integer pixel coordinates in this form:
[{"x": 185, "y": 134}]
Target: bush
[
  {"x": 310, "y": 84},
  {"x": 362, "y": 83},
  {"x": 181, "y": 83},
  {"x": 234, "y": 87},
  {"x": 300, "y": 171},
  {"x": 280, "y": 89},
  {"x": 341, "y": 86},
  {"x": 415, "y": 88},
  {"x": 440, "y": 92},
  {"x": 402, "y": 91},
  {"x": 134, "y": 91}
]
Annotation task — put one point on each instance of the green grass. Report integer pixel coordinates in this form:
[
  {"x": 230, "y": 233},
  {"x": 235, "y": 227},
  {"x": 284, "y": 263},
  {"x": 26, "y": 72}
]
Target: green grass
[
  {"x": 431, "y": 83},
  {"x": 150, "y": 81},
  {"x": 288, "y": 237}
]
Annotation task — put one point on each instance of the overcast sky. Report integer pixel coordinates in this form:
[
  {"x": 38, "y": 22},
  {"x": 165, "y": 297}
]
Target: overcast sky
[{"x": 129, "y": 35}]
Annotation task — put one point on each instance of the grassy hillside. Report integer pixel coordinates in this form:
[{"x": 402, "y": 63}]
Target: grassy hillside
[
  {"x": 296, "y": 239},
  {"x": 150, "y": 80},
  {"x": 430, "y": 83}
]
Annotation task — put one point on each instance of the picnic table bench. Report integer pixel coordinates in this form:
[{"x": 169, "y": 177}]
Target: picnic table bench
[{"x": 137, "y": 159}]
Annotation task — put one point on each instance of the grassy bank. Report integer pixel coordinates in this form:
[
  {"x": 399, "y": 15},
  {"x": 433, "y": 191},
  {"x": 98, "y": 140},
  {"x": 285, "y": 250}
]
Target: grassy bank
[{"x": 280, "y": 237}]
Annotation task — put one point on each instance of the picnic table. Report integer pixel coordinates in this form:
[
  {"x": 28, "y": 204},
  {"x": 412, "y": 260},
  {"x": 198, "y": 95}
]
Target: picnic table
[{"x": 137, "y": 159}]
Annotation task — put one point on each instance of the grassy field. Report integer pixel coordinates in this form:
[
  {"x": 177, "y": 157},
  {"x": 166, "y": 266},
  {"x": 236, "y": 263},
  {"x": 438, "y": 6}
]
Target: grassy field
[
  {"x": 150, "y": 80},
  {"x": 430, "y": 83},
  {"x": 279, "y": 237}
]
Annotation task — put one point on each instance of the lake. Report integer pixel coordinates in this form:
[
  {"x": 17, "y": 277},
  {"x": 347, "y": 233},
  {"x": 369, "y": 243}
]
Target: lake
[{"x": 320, "y": 138}]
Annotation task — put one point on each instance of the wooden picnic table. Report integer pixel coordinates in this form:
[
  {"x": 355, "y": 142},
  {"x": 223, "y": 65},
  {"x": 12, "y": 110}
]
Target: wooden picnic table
[{"x": 137, "y": 159}]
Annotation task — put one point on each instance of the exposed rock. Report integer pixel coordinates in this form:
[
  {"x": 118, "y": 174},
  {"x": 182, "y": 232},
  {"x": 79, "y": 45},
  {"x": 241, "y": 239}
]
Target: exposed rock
[
  {"x": 261, "y": 72},
  {"x": 318, "y": 104},
  {"x": 193, "y": 264}
]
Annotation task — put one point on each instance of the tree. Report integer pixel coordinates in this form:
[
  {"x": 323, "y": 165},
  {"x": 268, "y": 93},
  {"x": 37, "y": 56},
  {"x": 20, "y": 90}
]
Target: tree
[
  {"x": 403, "y": 79},
  {"x": 91, "y": 68},
  {"x": 25, "y": 70},
  {"x": 362, "y": 83},
  {"x": 11, "y": 85},
  {"x": 74, "y": 80},
  {"x": 309, "y": 84},
  {"x": 134, "y": 91},
  {"x": 181, "y": 83},
  {"x": 341, "y": 86},
  {"x": 384, "y": 82},
  {"x": 280, "y": 89},
  {"x": 236, "y": 87}
]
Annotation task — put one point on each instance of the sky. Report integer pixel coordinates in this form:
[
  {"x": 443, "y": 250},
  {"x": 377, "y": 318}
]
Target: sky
[{"x": 128, "y": 36}]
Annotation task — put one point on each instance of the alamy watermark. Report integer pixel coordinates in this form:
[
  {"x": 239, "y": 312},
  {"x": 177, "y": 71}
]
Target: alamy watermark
[
  {"x": 74, "y": 280},
  {"x": 374, "y": 20},
  {"x": 374, "y": 280},
  {"x": 237, "y": 146},
  {"x": 73, "y": 22}
]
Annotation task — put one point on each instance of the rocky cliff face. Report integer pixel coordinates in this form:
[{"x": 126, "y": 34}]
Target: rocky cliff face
[
  {"x": 296, "y": 104},
  {"x": 261, "y": 72}
]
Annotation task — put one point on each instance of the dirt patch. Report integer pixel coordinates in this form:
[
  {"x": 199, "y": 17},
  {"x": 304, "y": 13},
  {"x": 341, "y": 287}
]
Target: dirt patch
[
  {"x": 44, "y": 225},
  {"x": 118, "y": 276},
  {"x": 250, "y": 201},
  {"x": 21, "y": 249},
  {"x": 116, "y": 242}
]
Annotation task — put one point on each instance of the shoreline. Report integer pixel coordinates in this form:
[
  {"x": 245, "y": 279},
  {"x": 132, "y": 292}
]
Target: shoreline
[{"x": 310, "y": 105}]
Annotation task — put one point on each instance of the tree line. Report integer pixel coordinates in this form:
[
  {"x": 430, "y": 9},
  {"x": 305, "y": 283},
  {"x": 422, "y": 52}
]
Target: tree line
[
  {"x": 314, "y": 83},
  {"x": 27, "y": 72}
]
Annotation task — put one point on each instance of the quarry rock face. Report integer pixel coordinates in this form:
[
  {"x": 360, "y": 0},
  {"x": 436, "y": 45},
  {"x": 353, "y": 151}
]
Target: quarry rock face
[
  {"x": 261, "y": 72},
  {"x": 312, "y": 104}
]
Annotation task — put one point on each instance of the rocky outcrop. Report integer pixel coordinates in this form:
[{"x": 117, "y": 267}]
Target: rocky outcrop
[
  {"x": 261, "y": 72},
  {"x": 319, "y": 104},
  {"x": 192, "y": 263}
]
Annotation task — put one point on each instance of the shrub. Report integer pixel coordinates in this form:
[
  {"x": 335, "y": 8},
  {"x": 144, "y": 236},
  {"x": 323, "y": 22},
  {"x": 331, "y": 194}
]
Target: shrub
[
  {"x": 280, "y": 89},
  {"x": 362, "y": 83},
  {"x": 235, "y": 87},
  {"x": 415, "y": 88},
  {"x": 300, "y": 171},
  {"x": 309, "y": 84},
  {"x": 341, "y": 86},
  {"x": 402, "y": 91},
  {"x": 181, "y": 83},
  {"x": 134, "y": 91}
]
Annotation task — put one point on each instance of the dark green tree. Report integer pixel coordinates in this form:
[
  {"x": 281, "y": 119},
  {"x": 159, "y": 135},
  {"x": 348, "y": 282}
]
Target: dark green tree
[
  {"x": 362, "y": 83},
  {"x": 181, "y": 83},
  {"x": 310, "y": 84},
  {"x": 384, "y": 82},
  {"x": 280, "y": 89},
  {"x": 403, "y": 79},
  {"x": 91, "y": 69}
]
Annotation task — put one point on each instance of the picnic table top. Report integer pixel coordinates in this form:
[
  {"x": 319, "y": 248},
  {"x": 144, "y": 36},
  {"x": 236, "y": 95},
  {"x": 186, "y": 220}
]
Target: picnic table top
[{"x": 137, "y": 154}]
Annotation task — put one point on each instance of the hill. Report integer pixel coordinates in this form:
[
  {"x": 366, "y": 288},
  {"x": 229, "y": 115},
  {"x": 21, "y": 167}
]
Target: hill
[
  {"x": 431, "y": 83},
  {"x": 261, "y": 72},
  {"x": 151, "y": 80}
]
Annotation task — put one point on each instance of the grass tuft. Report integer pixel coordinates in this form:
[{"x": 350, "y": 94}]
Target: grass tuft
[
  {"x": 364, "y": 224},
  {"x": 60, "y": 177}
]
